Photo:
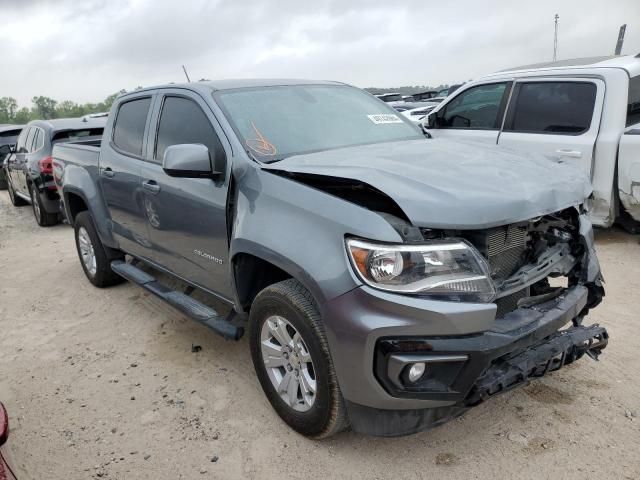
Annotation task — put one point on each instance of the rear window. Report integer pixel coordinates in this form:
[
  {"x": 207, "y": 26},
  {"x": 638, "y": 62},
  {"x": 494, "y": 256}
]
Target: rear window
[
  {"x": 73, "y": 135},
  {"x": 391, "y": 98},
  {"x": 553, "y": 107},
  {"x": 130, "y": 123},
  {"x": 633, "y": 107},
  {"x": 10, "y": 133}
]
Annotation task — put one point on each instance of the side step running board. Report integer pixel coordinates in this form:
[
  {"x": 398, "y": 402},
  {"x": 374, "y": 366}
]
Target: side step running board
[{"x": 193, "y": 309}]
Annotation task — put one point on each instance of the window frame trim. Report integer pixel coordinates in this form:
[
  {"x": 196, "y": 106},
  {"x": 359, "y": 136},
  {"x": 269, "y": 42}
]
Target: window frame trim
[
  {"x": 34, "y": 139},
  {"x": 112, "y": 142},
  {"x": 510, "y": 113},
  {"x": 164, "y": 96}
]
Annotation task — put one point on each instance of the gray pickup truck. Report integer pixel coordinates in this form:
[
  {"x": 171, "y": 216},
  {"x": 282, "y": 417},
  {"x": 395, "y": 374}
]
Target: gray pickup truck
[{"x": 389, "y": 282}]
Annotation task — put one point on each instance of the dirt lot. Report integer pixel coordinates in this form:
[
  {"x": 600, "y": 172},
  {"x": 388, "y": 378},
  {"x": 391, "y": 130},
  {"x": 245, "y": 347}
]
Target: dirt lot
[{"x": 103, "y": 384}]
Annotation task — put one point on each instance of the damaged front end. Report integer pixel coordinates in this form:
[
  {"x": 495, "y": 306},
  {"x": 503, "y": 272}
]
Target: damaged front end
[
  {"x": 547, "y": 278},
  {"x": 531, "y": 262}
]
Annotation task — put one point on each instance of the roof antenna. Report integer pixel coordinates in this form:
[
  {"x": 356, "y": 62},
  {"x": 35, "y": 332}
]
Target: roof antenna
[{"x": 186, "y": 74}]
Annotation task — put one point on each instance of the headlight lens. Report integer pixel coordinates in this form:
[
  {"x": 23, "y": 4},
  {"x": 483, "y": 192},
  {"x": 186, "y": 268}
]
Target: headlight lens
[{"x": 451, "y": 269}]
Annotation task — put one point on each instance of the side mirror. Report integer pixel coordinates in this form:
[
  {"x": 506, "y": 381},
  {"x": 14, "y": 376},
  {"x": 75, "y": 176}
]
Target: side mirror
[
  {"x": 189, "y": 160},
  {"x": 430, "y": 120}
]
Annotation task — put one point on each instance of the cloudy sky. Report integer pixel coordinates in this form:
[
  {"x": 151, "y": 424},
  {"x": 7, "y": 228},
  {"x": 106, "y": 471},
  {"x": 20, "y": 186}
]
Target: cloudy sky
[{"x": 83, "y": 50}]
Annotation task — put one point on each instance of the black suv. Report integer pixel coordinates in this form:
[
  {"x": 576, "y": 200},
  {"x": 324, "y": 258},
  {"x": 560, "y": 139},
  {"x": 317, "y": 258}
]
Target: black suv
[
  {"x": 8, "y": 136},
  {"x": 29, "y": 167}
]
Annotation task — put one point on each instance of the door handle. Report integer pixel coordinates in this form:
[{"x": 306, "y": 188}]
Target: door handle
[
  {"x": 107, "y": 172},
  {"x": 151, "y": 186},
  {"x": 564, "y": 152}
]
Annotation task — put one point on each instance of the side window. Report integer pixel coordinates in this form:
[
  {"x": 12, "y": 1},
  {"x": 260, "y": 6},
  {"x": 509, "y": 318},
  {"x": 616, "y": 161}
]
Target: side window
[
  {"x": 29, "y": 142},
  {"x": 183, "y": 121},
  {"x": 476, "y": 108},
  {"x": 22, "y": 140},
  {"x": 38, "y": 140},
  {"x": 633, "y": 104},
  {"x": 128, "y": 130},
  {"x": 552, "y": 107}
]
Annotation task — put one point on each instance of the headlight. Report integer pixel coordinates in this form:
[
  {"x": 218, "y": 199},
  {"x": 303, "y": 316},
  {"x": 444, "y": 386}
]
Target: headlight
[{"x": 451, "y": 269}]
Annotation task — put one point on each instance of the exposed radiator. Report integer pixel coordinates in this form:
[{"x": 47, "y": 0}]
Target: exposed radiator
[{"x": 505, "y": 248}]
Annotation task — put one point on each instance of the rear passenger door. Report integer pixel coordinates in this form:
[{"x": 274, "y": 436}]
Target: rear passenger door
[
  {"x": 558, "y": 117},
  {"x": 120, "y": 166},
  {"x": 475, "y": 113},
  {"x": 187, "y": 216}
]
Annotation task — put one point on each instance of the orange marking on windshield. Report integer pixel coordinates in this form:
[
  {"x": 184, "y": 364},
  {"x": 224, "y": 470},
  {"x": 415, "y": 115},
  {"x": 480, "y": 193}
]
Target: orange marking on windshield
[{"x": 261, "y": 145}]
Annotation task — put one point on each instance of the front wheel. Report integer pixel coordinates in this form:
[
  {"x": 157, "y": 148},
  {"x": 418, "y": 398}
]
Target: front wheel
[
  {"x": 291, "y": 357},
  {"x": 93, "y": 255}
]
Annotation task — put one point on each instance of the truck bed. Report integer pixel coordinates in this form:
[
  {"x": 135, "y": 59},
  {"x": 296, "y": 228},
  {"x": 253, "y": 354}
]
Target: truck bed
[{"x": 82, "y": 153}]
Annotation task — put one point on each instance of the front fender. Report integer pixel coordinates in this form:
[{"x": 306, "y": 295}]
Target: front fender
[{"x": 302, "y": 231}]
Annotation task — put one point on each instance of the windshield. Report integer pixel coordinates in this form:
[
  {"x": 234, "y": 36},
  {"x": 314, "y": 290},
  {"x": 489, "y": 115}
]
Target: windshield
[{"x": 277, "y": 122}]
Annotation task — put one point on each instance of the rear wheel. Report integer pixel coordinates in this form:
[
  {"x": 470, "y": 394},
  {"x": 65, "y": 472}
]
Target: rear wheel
[
  {"x": 43, "y": 218},
  {"x": 93, "y": 255},
  {"x": 16, "y": 201},
  {"x": 291, "y": 357}
]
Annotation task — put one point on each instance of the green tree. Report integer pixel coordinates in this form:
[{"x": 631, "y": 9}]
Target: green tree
[
  {"x": 8, "y": 108},
  {"x": 22, "y": 116},
  {"x": 44, "y": 107}
]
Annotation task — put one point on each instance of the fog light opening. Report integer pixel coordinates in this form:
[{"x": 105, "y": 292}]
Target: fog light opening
[{"x": 416, "y": 371}]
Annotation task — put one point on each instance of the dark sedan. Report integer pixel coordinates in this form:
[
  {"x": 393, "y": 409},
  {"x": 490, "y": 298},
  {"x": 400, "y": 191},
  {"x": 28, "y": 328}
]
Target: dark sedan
[{"x": 30, "y": 169}]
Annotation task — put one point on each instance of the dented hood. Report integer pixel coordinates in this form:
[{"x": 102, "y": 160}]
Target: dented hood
[{"x": 453, "y": 184}]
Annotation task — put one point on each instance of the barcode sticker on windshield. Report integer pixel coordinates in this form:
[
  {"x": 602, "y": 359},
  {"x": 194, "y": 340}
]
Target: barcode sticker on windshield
[{"x": 384, "y": 118}]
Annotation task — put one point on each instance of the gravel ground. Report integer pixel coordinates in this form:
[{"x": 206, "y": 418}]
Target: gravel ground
[{"x": 104, "y": 384}]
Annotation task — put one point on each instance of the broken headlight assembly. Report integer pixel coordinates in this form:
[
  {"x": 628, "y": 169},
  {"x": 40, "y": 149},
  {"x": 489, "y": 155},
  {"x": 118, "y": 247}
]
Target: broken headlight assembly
[{"x": 450, "y": 269}]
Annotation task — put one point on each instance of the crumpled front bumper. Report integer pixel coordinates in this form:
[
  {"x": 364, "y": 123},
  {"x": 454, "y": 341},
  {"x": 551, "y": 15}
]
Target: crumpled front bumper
[
  {"x": 463, "y": 369},
  {"x": 470, "y": 355},
  {"x": 501, "y": 375}
]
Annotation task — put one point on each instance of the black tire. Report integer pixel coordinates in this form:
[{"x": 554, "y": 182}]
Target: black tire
[
  {"x": 290, "y": 300},
  {"x": 43, "y": 218},
  {"x": 103, "y": 276},
  {"x": 16, "y": 201}
]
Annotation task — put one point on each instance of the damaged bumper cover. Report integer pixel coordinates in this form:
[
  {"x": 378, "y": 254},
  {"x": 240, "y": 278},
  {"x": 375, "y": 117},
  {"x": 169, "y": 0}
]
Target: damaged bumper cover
[{"x": 464, "y": 370}]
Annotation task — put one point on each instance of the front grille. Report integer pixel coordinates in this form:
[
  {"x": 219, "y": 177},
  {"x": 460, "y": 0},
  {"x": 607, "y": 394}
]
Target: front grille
[{"x": 509, "y": 302}]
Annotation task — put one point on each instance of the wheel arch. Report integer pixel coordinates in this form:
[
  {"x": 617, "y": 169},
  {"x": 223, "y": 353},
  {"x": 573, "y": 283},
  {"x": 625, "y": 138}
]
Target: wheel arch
[{"x": 253, "y": 271}]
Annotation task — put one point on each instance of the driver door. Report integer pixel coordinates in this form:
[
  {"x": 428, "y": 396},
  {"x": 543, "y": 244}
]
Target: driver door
[
  {"x": 475, "y": 113},
  {"x": 187, "y": 217}
]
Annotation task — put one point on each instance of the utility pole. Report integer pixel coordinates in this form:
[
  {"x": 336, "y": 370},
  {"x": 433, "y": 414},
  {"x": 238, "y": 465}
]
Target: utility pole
[
  {"x": 186, "y": 74},
  {"x": 623, "y": 29},
  {"x": 555, "y": 39}
]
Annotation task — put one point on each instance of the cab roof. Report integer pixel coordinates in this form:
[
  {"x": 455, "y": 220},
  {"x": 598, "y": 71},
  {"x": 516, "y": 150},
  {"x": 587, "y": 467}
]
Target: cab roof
[
  {"x": 231, "y": 84},
  {"x": 630, "y": 63}
]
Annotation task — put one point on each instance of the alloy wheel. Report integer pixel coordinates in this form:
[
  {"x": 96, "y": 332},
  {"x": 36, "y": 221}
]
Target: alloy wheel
[
  {"x": 87, "y": 251},
  {"x": 288, "y": 363}
]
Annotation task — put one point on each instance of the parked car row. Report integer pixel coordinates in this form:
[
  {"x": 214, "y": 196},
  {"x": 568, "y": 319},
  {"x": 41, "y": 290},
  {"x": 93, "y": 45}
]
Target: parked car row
[{"x": 28, "y": 166}]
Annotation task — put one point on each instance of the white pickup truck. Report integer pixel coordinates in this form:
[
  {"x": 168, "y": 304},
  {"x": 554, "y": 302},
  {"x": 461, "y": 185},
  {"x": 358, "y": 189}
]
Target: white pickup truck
[{"x": 585, "y": 110}]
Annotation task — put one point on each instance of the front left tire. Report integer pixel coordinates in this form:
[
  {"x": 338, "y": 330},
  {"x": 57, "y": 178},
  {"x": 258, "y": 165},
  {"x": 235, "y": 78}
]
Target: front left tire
[{"x": 291, "y": 357}]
